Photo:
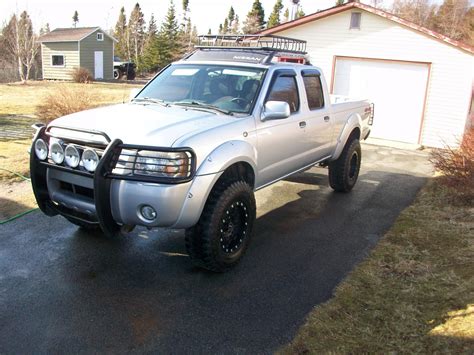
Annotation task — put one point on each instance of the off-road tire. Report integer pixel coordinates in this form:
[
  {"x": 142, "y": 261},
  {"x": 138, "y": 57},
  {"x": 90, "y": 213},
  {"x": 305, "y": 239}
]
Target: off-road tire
[
  {"x": 221, "y": 236},
  {"x": 344, "y": 171},
  {"x": 117, "y": 74},
  {"x": 83, "y": 225}
]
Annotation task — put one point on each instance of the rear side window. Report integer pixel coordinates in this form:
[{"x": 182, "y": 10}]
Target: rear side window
[
  {"x": 285, "y": 89},
  {"x": 314, "y": 92}
]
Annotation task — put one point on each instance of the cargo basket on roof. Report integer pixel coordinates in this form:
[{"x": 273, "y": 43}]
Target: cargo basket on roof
[{"x": 263, "y": 48}]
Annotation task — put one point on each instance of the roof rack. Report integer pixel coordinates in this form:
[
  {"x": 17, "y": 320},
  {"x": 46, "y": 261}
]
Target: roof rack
[
  {"x": 253, "y": 42},
  {"x": 249, "y": 48}
]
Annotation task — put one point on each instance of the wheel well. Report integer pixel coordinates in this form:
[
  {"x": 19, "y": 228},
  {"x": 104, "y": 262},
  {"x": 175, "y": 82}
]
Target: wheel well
[
  {"x": 239, "y": 171},
  {"x": 354, "y": 134}
]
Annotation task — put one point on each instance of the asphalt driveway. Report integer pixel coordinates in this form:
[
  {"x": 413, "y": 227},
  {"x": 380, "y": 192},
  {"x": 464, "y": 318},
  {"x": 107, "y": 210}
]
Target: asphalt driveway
[{"x": 64, "y": 290}]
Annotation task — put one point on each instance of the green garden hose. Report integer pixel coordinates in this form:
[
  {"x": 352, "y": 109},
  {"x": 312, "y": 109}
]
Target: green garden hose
[{"x": 17, "y": 216}]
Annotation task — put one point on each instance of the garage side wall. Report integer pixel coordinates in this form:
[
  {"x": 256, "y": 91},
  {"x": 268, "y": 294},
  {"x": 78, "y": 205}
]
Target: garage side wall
[
  {"x": 71, "y": 59},
  {"x": 89, "y": 45},
  {"x": 449, "y": 87}
]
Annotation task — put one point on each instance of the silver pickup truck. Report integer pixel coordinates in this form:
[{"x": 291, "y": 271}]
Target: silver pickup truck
[{"x": 191, "y": 147}]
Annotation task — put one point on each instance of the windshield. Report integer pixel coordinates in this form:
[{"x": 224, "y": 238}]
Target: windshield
[{"x": 227, "y": 88}]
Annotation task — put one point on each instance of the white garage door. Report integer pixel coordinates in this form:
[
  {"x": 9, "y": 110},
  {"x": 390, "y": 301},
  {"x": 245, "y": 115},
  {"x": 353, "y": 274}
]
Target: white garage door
[{"x": 397, "y": 89}]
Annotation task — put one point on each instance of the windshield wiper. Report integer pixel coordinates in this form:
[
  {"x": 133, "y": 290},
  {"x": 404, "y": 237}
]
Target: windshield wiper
[
  {"x": 203, "y": 106},
  {"x": 149, "y": 99}
]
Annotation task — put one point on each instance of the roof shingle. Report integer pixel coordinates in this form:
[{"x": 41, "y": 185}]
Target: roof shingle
[{"x": 67, "y": 34}]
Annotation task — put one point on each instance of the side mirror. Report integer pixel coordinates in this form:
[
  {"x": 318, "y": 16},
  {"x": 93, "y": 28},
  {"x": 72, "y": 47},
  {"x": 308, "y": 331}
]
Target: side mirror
[
  {"x": 134, "y": 92},
  {"x": 275, "y": 110}
]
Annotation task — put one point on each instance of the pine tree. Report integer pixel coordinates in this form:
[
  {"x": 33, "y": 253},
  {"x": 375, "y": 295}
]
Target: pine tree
[
  {"x": 251, "y": 25},
  {"x": 44, "y": 30},
  {"x": 169, "y": 33},
  {"x": 75, "y": 19},
  {"x": 136, "y": 34},
  {"x": 235, "y": 29},
  {"x": 300, "y": 12},
  {"x": 152, "y": 29},
  {"x": 225, "y": 27},
  {"x": 120, "y": 34},
  {"x": 286, "y": 15},
  {"x": 255, "y": 20},
  {"x": 274, "y": 19},
  {"x": 340, "y": 2},
  {"x": 231, "y": 15}
]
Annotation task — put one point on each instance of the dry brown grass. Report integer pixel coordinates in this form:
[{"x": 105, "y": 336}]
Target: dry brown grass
[
  {"x": 15, "y": 158},
  {"x": 64, "y": 101},
  {"x": 22, "y": 99},
  {"x": 457, "y": 167},
  {"x": 413, "y": 294},
  {"x": 82, "y": 75}
]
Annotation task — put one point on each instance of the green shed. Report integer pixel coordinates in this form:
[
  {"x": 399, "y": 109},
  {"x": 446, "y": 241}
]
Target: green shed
[{"x": 65, "y": 49}]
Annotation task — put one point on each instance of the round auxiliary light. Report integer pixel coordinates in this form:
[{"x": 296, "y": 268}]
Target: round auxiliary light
[
  {"x": 148, "y": 212},
  {"x": 72, "y": 156},
  {"x": 41, "y": 149},
  {"x": 57, "y": 153},
  {"x": 90, "y": 159}
]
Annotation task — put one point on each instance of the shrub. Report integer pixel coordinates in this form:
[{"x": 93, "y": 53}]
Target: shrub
[
  {"x": 457, "y": 166},
  {"x": 82, "y": 75},
  {"x": 63, "y": 101}
]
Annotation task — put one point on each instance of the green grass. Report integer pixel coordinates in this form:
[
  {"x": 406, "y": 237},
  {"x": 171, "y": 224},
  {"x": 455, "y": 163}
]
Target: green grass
[{"x": 413, "y": 294}]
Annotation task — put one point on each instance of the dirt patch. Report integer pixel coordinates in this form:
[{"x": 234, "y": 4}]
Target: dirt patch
[{"x": 16, "y": 198}]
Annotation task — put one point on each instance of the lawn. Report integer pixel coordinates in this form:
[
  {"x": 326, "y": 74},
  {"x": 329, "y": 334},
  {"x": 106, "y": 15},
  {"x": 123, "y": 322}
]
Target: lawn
[
  {"x": 22, "y": 99},
  {"x": 413, "y": 294}
]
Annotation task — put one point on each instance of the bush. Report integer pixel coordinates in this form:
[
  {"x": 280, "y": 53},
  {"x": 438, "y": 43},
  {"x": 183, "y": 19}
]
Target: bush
[
  {"x": 457, "y": 166},
  {"x": 63, "y": 101},
  {"x": 82, "y": 75}
]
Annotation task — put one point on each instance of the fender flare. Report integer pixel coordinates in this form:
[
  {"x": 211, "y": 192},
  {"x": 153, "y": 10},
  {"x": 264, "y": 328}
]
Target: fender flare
[
  {"x": 354, "y": 121},
  {"x": 208, "y": 174},
  {"x": 225, "y": 155}
]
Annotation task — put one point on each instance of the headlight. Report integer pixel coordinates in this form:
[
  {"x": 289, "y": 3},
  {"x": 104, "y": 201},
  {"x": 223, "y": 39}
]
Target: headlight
[
  {"x": 57, "y": 153},
  {"x": 41, "y": 149},
  {"x": 90, "y": 159},
  {"x": 72, "y": 156},
  {"x": 163, "y": 164}
]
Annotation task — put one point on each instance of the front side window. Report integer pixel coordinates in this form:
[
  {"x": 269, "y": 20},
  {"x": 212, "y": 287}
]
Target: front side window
[
  {"x": 230, "y": 88},
  {"x": 57, "y": 60},
  {"x": 285, "y": 89},
  {"x": 314, "y": 91}
]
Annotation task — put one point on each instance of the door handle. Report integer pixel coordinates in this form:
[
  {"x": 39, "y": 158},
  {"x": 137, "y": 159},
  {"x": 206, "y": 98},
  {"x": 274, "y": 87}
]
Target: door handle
[
  {"x": 302, "y": 124},
  {"x": 326, "y": 118}
]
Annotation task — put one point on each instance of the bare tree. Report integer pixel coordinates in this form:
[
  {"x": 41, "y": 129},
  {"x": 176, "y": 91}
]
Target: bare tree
[{"x": 21, "y": 43}]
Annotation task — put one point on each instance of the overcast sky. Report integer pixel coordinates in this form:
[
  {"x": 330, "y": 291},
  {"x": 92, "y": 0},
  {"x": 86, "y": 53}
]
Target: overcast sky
[{"x": 104, "y": 13}]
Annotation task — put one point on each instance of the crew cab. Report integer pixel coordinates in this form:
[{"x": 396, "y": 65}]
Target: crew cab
[{"x": 192, "y": 146}]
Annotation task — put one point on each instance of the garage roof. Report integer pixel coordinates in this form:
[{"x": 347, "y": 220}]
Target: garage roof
[{"x": 357, "y": 5}]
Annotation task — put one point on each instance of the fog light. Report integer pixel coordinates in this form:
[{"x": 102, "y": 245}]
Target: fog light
[
  {"x": 72, "y": 156},
  {"x": 41, "y": 149},
  {"x": 148, "y": 212},
  {"x": 57, "y": 153},
  {"x": 90, "y": 159}
]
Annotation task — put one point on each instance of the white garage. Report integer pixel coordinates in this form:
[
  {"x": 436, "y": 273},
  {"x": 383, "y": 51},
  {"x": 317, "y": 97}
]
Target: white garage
[{"x": 420, "y": 81}]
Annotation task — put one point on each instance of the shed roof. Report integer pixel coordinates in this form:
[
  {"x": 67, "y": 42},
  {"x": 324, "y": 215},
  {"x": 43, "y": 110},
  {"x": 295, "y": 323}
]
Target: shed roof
[
  {"x": 70, "y": 34},
  {"x": 357, "y": 5}
]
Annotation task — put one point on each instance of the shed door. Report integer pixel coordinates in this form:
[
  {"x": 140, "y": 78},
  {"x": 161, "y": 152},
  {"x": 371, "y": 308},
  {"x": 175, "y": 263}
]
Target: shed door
[
  {"x": 396, "y": 88},
  {"x": 99, "y": 65}
]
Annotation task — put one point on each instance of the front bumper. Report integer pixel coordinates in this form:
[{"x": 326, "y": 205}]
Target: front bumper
[{"x": 112, "y": 200}]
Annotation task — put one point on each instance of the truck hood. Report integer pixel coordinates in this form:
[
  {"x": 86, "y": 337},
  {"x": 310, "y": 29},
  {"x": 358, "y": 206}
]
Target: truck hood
[{"x": 144, "y": 124}]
